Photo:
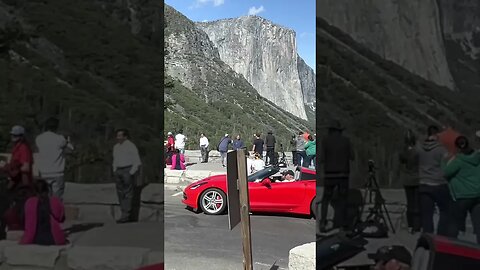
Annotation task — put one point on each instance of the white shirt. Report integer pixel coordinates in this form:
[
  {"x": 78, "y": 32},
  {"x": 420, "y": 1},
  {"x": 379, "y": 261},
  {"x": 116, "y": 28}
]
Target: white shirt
[
  {"x": 51, "y": 153},
  {"x": 204, "y": 141},
  {"x": 258, "y": 164},
  {"x": 180, "y": 141},
  {"x": 126, "y": 154}
]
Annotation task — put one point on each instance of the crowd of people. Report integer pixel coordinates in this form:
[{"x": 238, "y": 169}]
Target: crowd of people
[
  {"x": 304, "y": 153},
  {"x": 442, "y": 171},
  {"x": 34, "y": 205}
]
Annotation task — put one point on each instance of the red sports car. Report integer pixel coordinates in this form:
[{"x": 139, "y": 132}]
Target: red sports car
[{"x": 267, "y": 193}]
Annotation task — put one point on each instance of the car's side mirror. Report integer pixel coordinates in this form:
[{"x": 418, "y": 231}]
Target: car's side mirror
[{"x": 266, "y": 182}]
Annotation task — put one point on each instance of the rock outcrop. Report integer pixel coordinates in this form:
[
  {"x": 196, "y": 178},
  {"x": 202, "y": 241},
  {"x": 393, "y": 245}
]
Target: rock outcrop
[
  {"x": 391, "y": 28},
  {"x": 208, "y": 94},
  {"x": 266, "y": 55}
]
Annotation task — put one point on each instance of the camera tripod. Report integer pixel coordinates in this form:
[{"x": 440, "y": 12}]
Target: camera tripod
[{"x": 379, "y": 210}]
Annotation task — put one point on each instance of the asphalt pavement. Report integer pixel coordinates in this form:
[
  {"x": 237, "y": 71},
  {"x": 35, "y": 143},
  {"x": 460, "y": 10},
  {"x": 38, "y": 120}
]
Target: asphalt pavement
[{"x": 198, "y": 241}]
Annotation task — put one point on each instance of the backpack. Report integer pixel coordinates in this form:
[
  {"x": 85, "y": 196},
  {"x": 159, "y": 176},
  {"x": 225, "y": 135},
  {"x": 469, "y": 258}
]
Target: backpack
[{"x": 373, "y": 228}]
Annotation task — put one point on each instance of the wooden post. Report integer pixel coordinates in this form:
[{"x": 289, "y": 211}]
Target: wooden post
[{"x": 244, "y": 210}]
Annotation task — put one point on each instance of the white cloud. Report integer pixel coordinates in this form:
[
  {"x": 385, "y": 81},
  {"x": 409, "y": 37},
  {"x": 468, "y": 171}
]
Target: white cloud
[
  {"x": 255, "y": 10},
  {"x": 216, "y": 3}
]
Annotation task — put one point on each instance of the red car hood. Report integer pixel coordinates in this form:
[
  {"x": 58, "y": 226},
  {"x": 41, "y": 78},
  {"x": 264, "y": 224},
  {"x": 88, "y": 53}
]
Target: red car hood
[{"x": 214, "y": 178}]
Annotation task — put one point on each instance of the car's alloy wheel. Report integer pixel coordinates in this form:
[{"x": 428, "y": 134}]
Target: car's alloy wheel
[{"x": 213, "y": 201}]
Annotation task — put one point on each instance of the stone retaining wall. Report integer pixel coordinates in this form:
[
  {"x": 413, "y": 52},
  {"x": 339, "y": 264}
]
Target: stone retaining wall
[
  {"x": 31, "y": 257},
  {"x": 187, "y": 176},
  {"x": 88, "y": 203},
  {"x": 302, "y": 257}
]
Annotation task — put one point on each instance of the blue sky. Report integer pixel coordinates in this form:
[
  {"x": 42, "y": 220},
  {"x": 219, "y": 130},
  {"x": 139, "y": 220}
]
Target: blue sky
[{"x": 296, "y": 15}]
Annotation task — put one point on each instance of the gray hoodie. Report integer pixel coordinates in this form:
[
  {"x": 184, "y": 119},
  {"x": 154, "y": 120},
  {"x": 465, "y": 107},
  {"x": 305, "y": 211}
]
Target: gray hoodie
[
  {"x": 300, "y": 143},
  {"x": 430, "y": 156}
]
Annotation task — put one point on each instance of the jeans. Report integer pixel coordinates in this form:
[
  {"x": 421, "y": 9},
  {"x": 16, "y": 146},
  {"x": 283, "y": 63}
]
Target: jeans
[
  {"x": 270, "y": 158},
  {"x": 459, "y": 211},
  {"x": 224, "y": 158},
  {"x": 57, "y": 186},
  {"x": 300, "y": 158},
  {"x": 429, "y": 197},
  {"x": 307, "y": 162},
  {"x": 342, "y": 186},
  {"x": 413, "y": 207}
]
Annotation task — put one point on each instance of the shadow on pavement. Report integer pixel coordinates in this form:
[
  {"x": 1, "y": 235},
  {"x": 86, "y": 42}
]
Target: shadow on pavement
[{"x": 81, "y": 228}]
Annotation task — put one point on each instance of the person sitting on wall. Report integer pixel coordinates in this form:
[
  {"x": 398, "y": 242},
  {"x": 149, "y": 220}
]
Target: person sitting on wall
[
  {"x": 43, "y": 217},
  {"x": 178, "y": 160}
]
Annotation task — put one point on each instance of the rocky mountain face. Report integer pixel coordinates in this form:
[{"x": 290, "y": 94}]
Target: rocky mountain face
[
  {"x": 390, "y": 28},
  {"x": 207, "y": 95},
  {"x": 377, "y": 100},
  {"x": 73, "y": 60},
  {"x": 442, "y": 37},
  {"x": 266, "y": 55},
  {"x": 307, "y": 81}
]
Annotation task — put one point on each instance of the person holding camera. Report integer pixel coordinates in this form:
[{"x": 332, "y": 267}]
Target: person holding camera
[
  {"x": 409, "y": 160},
  {"x": 433, "y": 184},
  {"x": 335, "y": 156}
]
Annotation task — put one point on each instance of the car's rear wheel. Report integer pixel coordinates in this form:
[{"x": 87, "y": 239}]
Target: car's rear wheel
[{"x": 213, "y": 201}]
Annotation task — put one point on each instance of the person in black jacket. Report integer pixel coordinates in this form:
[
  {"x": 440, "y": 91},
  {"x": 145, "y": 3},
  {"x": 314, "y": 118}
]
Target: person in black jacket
[
  {"x": 410, "y": 161},
  {"x": 270, "y": 143},
  {"x": 336, "y": 153}
]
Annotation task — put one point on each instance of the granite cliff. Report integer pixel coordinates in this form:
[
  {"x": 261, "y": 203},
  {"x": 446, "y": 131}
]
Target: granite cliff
[
  {"x": 378, "y": 92},
  {"x": 266, "y": 55},
  {"x": 207, "y": 95},
  {"x": 436, "y": 39}
]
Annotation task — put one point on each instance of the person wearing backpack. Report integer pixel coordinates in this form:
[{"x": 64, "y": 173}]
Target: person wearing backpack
[{"x": 463, "y": 174}]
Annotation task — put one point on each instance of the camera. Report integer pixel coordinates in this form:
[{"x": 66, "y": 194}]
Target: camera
[{"x": 371, "y": 165}]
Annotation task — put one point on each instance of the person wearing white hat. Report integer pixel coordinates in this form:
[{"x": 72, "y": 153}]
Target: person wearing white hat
[{"x": 19, "y": 169}]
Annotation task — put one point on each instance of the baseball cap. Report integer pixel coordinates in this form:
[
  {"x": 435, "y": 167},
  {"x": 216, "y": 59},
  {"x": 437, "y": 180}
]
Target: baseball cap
[
  {"x": 169, "y": 133},
  {"x": 226, "y": 134},
  {"x": 388, "y": 253},
  {"x": 17, "y": 130},
  {"x": 288, "y": 172}
]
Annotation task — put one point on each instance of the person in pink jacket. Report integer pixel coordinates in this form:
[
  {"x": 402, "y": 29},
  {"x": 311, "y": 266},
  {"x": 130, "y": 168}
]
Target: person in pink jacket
[
  {"x": 178, "y": 161},
  {"x": 43, "y": 216}
]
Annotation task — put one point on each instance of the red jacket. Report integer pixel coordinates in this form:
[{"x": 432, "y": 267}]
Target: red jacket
[
  {"x": 21, "y": 154},
  {"x": 170, "y": 143}
]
